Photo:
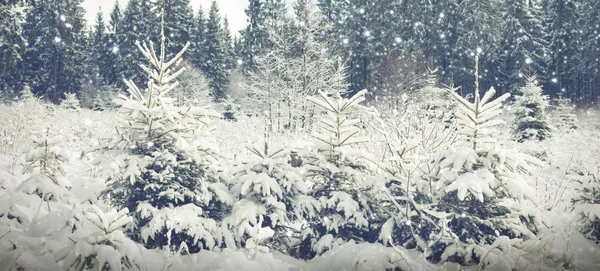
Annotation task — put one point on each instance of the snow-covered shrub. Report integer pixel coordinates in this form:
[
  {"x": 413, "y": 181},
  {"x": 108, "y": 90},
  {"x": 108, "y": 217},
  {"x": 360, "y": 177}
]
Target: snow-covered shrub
[
  {"x": 70, "y": 102},
  {"x": 270, "y": 193},
  {"x": 162, "y": 169},
  {"x": 341, "y": 179},
  {"x": 530, "y": 113},
  {"x": 563, "y": 115}
]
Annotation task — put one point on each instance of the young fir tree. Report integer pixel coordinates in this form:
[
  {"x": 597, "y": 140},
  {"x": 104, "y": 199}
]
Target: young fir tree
[
  {"x": 564, "y": 116},
  {"x": 477, "y": 191},
  {"x": 98, "y": 242},
  {"x": 165, "y": 171},
  {"x": 433, "y": 101},
  {"x": 46, "y": 161},
  {"x": 342, "y": 180},
  {"x": 587, "y": 205},
  {"x": 70, "y": 102},
  {"x": 271, "y": 194},
  {"x": 530, "y": 113}
]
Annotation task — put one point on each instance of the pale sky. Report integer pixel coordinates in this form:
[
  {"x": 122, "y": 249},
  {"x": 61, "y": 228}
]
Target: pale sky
[{"x": 233, "y": 9}]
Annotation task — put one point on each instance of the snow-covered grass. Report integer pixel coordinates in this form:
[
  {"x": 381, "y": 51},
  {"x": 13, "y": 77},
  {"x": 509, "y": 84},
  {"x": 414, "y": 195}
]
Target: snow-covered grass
[{"x": 570, "y": 158}]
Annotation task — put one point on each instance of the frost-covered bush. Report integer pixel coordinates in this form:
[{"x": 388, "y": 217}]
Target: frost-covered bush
[
  {"x": 341, "y": 179},
  {"x": 70, "y": 102},
  {"x": 271, "y": 194},
  {"x": 530, "y": 113},
  {"x": 161, "y": 167},
  {"x": 193, "y": 89}
]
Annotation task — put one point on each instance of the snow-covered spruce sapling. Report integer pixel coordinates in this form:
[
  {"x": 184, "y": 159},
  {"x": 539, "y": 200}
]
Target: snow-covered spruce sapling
[
  {"x": 587, "y": 205},
  {"x": 563, "y": 116},
  {"x": 530, "y": 113},
  {"x": 45, "y": 161},
  {"x": 270, "y": 193},
  {"x": 433, "y": 101},
  {"x": 162, "y": 168},
  {"x": 341, "y": 180},
  {"x": 98, "y": 243},
  {"x": 480, "y": 189},
  {"x": 70, "y": 102}
]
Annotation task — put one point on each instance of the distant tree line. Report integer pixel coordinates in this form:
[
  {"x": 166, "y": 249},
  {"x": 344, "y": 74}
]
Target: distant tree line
[
  {"x": 48, "y": 46},
  {"x": 558, "y": 40},
  {"x": 386, "y": 45}
]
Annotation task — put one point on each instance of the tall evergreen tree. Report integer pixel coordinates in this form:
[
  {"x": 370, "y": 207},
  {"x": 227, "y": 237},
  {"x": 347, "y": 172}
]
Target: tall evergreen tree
[
  {"x": 215, "y": 55},
  {"x": 228, "y": 46},
  {"x": 55, "y": 54},
  {"x": 12, "y": 48},
  {"x": 98, "y": 50},
  {"x": 198, "y": 39},
  {"x": 179, "y": 18},
  {"x": 589, "y": 17},
  {"x": 137, "y": 25},
  {"x": 113, "y": 59},
  {"x": 563, "y": 36},
  {"x": 238, "y": 47},
  {"x": 523, "y": 50},
  {"x": 260, "y": 15},
  {"x": 474, "y": 25},
  {"x": 252, "y": 35},
  {"x": 115, "y": 18}
]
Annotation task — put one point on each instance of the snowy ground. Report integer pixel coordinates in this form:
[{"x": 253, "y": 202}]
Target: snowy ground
[{"x": 567, "y": 247}]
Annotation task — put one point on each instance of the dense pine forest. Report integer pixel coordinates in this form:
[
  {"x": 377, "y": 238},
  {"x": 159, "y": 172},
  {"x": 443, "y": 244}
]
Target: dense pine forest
[{"x": 386, "y": 46}]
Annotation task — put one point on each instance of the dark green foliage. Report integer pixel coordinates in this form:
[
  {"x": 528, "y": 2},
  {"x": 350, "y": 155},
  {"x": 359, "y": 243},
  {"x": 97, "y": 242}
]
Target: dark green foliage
[
  {"x": 54, "y": 62},
  {"x": 12, "y": 48},
  {"x": 150, "y": 184},
  {"x": 198, "y": 39},
  {"x": 138, "y": 24},
  {"x": 179, "y": 24},
  {"x": 216, "y": 62}
]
